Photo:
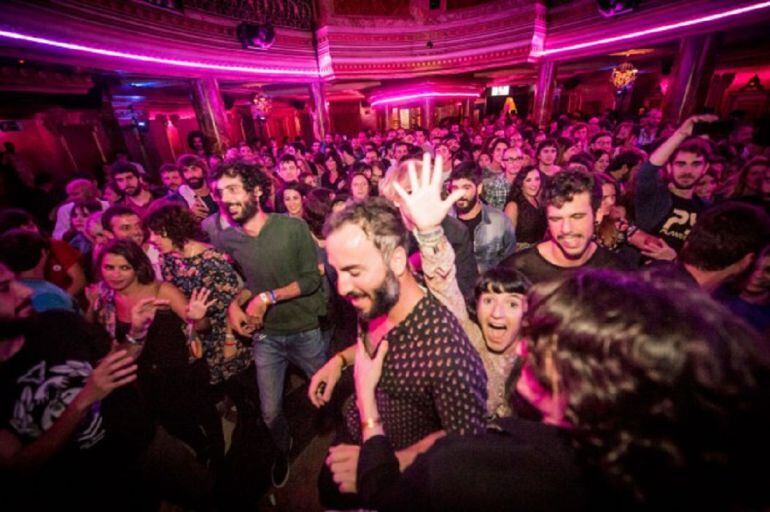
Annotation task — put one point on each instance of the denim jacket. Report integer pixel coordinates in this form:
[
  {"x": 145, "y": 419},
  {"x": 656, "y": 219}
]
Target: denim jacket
[{"x": 494, "y": 238}]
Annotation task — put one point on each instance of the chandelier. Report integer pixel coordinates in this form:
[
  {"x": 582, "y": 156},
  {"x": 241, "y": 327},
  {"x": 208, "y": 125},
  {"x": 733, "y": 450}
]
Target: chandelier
[
  {"x": 623, "y": 75},
  {"x": 261, "y": 105}
]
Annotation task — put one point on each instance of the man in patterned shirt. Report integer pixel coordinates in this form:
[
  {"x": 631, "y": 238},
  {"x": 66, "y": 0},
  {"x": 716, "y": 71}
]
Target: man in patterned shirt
[{"x": 432, "y": 378}]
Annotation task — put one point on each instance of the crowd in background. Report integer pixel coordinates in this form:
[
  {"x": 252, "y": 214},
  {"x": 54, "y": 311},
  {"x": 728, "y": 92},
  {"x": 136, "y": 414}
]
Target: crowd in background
[{"x": 197, "y": 283}]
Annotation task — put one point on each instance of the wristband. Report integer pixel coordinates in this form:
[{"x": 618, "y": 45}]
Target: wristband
[
  {"x": 135, "y": 341},
  {"x": 344, "y": 361},
  {"x": 264, "y": 297},
  {"x": 273, "y": 296},
  {"x": 230, "y": 340},
  {"x": 370, "y": 423},
  {"x": 429, "y": 238}
]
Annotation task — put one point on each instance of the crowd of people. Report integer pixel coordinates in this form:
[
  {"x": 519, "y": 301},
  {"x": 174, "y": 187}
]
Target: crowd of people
[{"x": 563, "y": 318}]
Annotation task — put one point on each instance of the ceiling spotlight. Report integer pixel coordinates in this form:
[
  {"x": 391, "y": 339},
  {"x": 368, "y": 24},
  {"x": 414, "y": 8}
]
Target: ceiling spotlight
[
  {"x": 429, "y": 44},
  {"x": 256, "y": 36}
]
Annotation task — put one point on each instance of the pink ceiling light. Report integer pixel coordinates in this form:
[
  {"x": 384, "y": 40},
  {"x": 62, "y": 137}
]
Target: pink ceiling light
[
  {"x": 156, "y": 60},
  {"x": 416, "y": 96},
  {"x": 654, "y": 30}
]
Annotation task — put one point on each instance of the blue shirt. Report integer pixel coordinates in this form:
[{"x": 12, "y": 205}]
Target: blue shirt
[{"x": 47, "y": 296}]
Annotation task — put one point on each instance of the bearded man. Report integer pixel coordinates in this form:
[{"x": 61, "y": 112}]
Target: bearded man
[
  {"x": 282, "y": 299},
  {"x": 492, "y": 234}
]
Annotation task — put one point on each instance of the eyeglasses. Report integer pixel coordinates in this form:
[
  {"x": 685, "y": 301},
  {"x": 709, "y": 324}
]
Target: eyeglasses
[{"x": 513, "y": 158}]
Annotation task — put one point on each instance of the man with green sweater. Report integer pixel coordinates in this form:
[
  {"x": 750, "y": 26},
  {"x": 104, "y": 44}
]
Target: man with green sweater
[{"x": 282, "y": 299}]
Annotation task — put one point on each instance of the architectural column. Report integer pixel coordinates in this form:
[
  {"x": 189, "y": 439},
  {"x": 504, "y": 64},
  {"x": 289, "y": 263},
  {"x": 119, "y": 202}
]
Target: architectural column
[
  {"x": 690, "y": 77},
  {"x": 320, "y": 114},
  {"x": 544, "y": 89},
  {"x": 210, "y": 111},
  {"x": 717, "y": 89},
  {"x": 430, "y": 111}
]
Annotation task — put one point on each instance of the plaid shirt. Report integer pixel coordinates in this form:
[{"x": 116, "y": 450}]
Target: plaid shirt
[{"x": 496, "y": 190}]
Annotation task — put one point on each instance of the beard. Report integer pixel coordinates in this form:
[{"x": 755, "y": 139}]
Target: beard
[
  {"x": 571, "y": 250},
  {"x": 132, "y": 191},
  {"x": 684, "y": 186},
  {"x": 195, "y": 183},
  {"x": 463, "y": 206},
  {"x": 383, "y": 298},
  {"x": 248, "y": 210}
]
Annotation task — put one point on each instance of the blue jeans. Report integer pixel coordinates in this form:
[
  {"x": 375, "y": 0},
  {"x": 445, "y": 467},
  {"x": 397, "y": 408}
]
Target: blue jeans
[{"x": 272, "y": 353}]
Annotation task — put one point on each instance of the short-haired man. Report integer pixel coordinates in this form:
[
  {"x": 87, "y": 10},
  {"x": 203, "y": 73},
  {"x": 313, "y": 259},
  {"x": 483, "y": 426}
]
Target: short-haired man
[
  {"x": 432, "y": 377},
  {"x": 669, "y": 208},
  {"x": 288, "y": 170},
  {"x": 122, "y": 222},
  {"x": 602, "y": 141},
  {"x": 546, "y": 154},
  {"x": 25, "y": 253},
  {"x": 283, "y": 297},
  {"x": 128, "y": 181},
  {"x": 572, "y": 198},
  {"x": 492, "y": 234},
  {"x": 194, "y": 171},
  {"x": 71, "y": 424},
  {"x": 723, "y": 245},
  {"x": 170, "y": 177}
]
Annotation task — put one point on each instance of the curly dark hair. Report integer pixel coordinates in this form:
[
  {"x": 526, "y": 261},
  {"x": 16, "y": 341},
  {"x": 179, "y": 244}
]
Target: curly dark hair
[
  {"x": 669, "y": 400},
  {"x": 251, "y": 175},
  {"x": 564, "y": 185},
  {"x": 174, "y": 221}
]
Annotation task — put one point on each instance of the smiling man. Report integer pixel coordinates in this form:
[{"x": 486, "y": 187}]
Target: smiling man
[
  {"x": 282, "y": 299},
  {"x": 571, "y": 198},
  {"x": 432, "y": 377}
]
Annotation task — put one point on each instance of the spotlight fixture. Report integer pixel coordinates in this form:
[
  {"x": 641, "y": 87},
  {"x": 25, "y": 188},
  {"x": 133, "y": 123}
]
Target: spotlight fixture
[
  {"x": 608, "y": 8},
  {"x": 429, "y": 44},
  {"x": 256, "y": 36}
]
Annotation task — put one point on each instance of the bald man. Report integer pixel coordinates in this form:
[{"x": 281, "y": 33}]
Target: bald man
[{"x": 79, "y": 189}]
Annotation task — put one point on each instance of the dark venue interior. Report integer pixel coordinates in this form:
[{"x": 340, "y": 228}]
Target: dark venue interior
[{"x": 384, "y": 255}]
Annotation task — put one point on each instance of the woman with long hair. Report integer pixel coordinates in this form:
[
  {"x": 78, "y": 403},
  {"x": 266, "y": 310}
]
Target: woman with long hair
[
  {"x": 334, "y": 174},
  {"x": 525, "y": 207}
]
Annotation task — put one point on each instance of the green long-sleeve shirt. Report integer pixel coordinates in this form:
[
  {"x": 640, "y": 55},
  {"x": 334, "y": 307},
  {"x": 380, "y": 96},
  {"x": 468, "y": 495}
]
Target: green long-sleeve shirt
[{"x": 282, "y": 253}]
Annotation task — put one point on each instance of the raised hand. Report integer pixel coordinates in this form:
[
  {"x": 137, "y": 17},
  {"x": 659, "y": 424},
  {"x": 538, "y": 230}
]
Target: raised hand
[
  {"x": 114, "y": 371},
  {"x": 689, "y": 124},
  {"x": 143, "y": 313},
  {"x": 423, "y": 205},
  {"x": 199, "y": 303}
]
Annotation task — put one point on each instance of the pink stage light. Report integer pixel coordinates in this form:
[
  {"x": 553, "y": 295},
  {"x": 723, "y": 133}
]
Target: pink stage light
[
  {"x": 415, "y": 96},
  {"x": 654, "y": 30},
  {"x": 157, "y": 60}
]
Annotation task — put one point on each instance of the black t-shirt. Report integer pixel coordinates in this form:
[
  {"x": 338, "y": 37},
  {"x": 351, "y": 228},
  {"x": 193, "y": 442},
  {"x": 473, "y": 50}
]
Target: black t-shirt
[
  {"x": 532, "y": 264},
  {"x": 471, "y": 225},
  {"x": 679, "y": 221},
  {"x": 36, "y": 385}
]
